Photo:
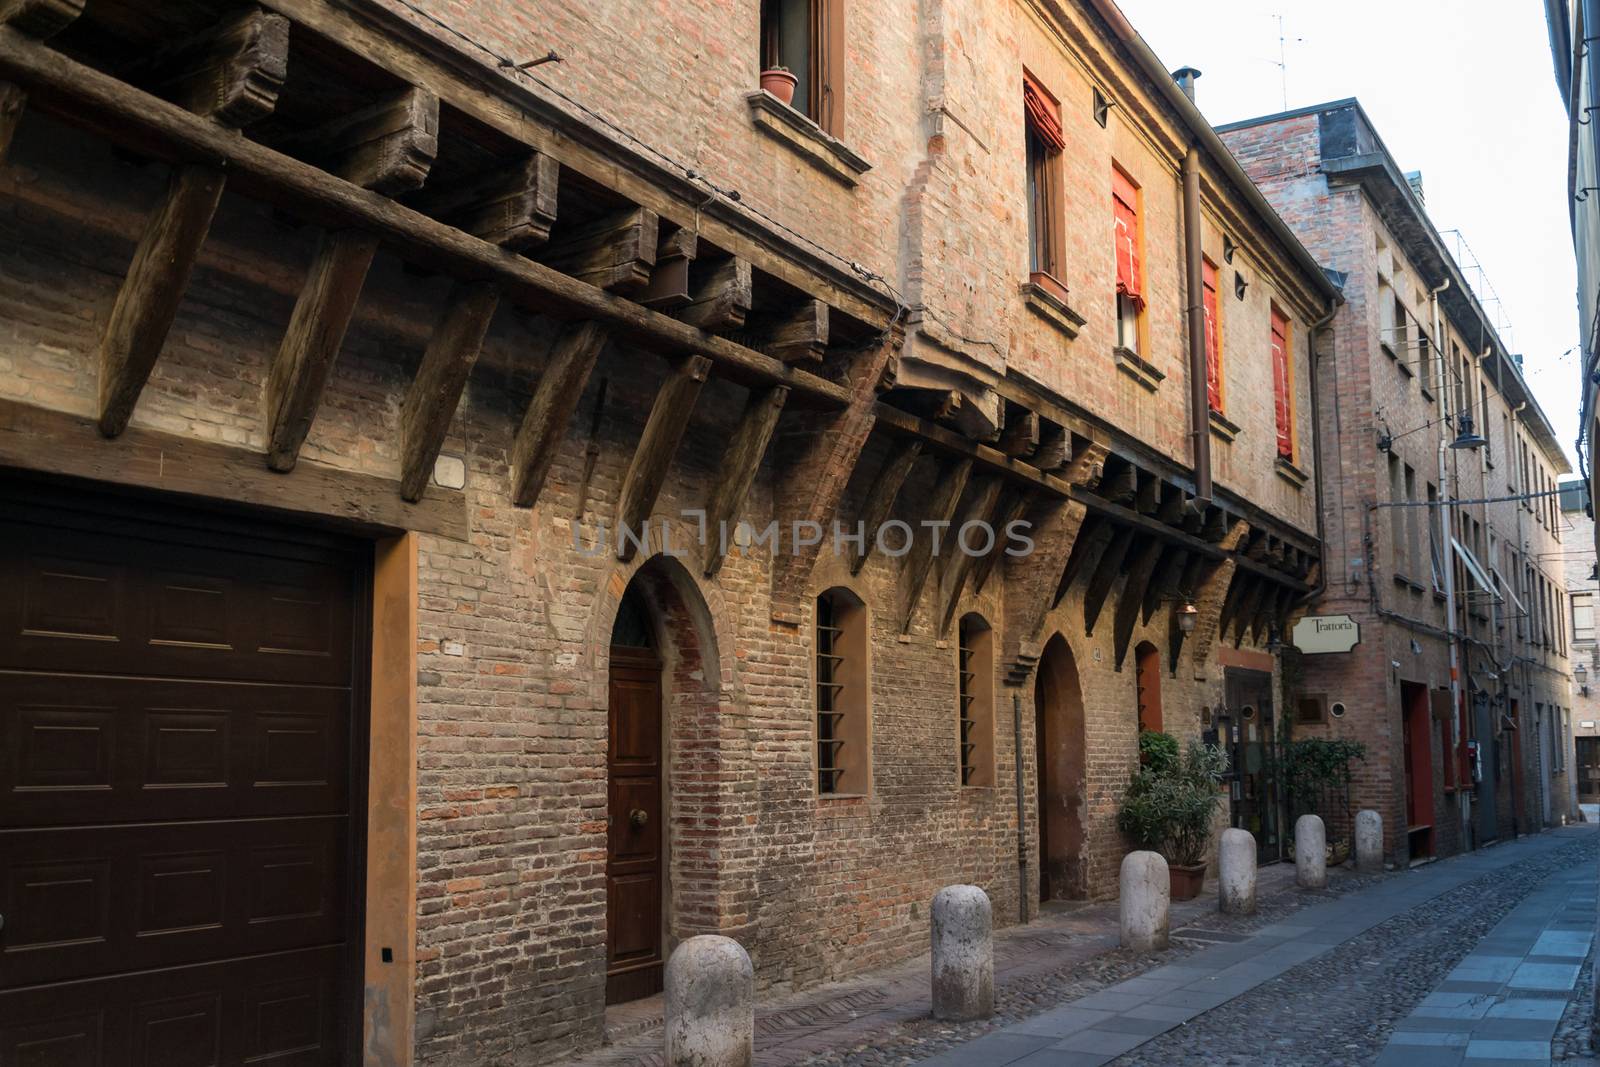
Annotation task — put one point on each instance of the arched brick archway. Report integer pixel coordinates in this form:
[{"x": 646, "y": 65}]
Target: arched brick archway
[
  {"x": 694, "y": 739},
  {"x": 1060, "y": 767}
]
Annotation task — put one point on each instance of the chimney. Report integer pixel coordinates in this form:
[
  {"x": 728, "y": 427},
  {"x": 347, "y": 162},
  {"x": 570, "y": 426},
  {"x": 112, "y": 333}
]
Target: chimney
[
  {"x": 1414, "y": 179},
  {"x": 1185, "y": 77}
]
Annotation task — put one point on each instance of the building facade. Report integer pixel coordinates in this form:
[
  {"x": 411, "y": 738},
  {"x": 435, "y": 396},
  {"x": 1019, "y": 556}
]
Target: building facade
[
  {"x": 444, "y": 487},
  {"x": 1579, "y": 575},
  {"x": 1440, "y": 487}
]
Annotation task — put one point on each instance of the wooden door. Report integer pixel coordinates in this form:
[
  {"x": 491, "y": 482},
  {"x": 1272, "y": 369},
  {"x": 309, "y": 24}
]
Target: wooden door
[
  {"x": 1257, "y": 803},
  {"x": 179, "y": 720},
  {"x": 634, "y": 865}
]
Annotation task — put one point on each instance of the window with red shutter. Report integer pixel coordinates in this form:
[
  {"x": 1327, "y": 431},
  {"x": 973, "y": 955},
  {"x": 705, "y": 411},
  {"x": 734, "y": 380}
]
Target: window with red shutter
[
  {"x": 1213, "y": 313},
  {"x": 1125, "y": 231},
  {"x": 1041, "y": 115},
  {"x": 1282, "y": 407}
]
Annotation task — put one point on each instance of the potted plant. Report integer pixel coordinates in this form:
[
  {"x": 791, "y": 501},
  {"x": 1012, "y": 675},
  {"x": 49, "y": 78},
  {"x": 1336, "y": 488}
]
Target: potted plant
[
  {"x": 779, "y": 82},
  {"x": 1169, "y": 807}
]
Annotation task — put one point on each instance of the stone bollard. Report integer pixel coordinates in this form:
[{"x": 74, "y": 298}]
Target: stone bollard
[
  {"x": 1369, "y": 842},
  {"x": 1145, "y": 902},
  {"x": 963, "y": 954},
  {"x": 1236, "y": 872},
  {"x": 1310, "y": 853},
  {"x": 711, "y": 1004}
]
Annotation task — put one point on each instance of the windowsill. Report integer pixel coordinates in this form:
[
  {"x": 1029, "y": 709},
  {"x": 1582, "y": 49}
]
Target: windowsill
[
  {"x": 1047, "y": 298},
  {"x": 805, "y": 138},
  {"x": 1224, "y": 427},
  {"x": 841, "y": 798},
  {"x": 1427, "y": 394},
  {"x": 1291, "y": 474},
  {"x": 1388, "y": 350},
  {"x": 1404, "y": 368},
  {"x": 1400, "y": 579},
  {"x": 1134, "y": 366}
]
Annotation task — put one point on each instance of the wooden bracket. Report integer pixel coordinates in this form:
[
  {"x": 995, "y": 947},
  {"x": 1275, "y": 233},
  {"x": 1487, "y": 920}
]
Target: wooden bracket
[
  {"x": 388, "y": 146},
  {"x": 1105, "y": 575},
  {"x": 1020, "y": 435},
  {"x": 1132, "y": 599},
  {"x": 40, "y": 18},
  {"x": 1086, "y": 552},
  {"x": 555, "y": 398},
  {"x": 1055, "y": 447},
  {"x": 1012, "y": 506},
  {"x": 720, "y": 292},
  {"x": 947, "y": 492},
  {"x": 512, "y": 205},
  {"x": 316, "y": 330},
  {"x": 663, "y": 431},
  {"x": 150, "y": 294},
  {"x": 669, "y": 280},
  {"x": 1165, "y": 584},
  {"x": 961, "y": 565},
  {"x": 12, "y": 101},
  {"x": 231, "y": 72},
  {"x": 881, "y": 497},
  {"x": 431, "y": 401},
  {"x": 615, "y": 252},
  {"x": 798, "y": 334},
  {"x": 740, "y": 463}
]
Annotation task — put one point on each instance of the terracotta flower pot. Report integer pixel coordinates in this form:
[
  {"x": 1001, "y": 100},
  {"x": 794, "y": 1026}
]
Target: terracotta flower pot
[
  {"x": 780, "y": 83},
  {"x": 1186, "y": 882}
]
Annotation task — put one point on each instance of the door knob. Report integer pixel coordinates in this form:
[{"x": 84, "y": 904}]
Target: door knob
[{"x": 638, "y": 817}]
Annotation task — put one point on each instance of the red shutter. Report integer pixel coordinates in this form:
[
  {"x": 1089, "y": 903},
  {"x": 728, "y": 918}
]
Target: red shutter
[
  {"x": 1125, "y": 234},
  {"x": 1208, "y": 274},
  {"x": 1043, "y": 112},
  {"x": 1280, "y": 384}
]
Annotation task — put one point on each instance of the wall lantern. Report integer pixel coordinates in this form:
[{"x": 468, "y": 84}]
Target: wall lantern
[
  {"x": 1580, "y": 674},
  {"x": 1188, "y": 615}
]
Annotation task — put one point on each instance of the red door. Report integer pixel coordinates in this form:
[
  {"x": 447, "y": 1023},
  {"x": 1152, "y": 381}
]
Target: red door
[
  {"x": 633, "y": 855},
  {"x": 1418, "y": 732},
  {"x": 178, "y": 871}
]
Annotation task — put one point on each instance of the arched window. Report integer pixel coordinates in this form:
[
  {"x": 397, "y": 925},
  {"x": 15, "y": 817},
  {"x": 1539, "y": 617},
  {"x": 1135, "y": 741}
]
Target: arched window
[
  {"x": 975, "y": 700},
  {"x": 844, "y": 728},
  {"x": 1147, "y": 682}
]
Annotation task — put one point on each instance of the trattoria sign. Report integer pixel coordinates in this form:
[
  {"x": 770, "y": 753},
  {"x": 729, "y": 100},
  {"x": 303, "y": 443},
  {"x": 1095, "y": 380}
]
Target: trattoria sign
[{"x": 1316, "y": 634}]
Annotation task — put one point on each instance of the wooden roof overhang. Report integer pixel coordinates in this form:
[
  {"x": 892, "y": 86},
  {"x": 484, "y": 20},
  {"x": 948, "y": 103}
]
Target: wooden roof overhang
[{"x": 464, "y": 185}]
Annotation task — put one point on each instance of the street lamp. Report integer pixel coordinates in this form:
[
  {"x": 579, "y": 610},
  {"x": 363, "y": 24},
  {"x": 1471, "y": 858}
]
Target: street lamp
[
  {"x": 1466, "y": 438},
  {"x": 1580, "y": 674},
  {"x": 1188, "y": 615}
]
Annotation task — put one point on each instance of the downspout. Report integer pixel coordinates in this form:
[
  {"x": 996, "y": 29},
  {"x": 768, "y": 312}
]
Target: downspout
[
  {"x": 1022, "y": 813},
  {"x": 1440, "y": 354},
  {"x": 1316, "y": 456},
  {"x": 1199, "y": 398}
]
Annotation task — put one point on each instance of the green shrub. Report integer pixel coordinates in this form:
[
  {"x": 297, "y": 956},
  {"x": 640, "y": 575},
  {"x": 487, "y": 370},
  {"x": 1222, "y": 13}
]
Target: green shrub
[{"x": 1170, "y": 802}]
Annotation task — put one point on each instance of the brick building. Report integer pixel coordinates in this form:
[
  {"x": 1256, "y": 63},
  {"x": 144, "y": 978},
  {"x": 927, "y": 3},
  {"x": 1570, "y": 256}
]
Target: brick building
[
  {"x": 1579, "y": 576},
  {"x": 1416, "y": 365},
  {"x": 423, "y": 469}
]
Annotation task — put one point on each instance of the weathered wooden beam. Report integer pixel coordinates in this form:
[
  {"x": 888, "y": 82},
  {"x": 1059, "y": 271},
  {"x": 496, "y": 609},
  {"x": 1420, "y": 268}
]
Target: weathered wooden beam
[
  {"x": 1020, "y": 435},
  {"x": 614, "y": 252},
  {"x": 881, "y": 497},
  {"x": 152, "y": 290},
  {"x": 947, "y": 490},
  {"x": 1147, "y": 497},
  {"x": 13, "y": 99},
  {"x": 70, "y": 446},
  {"x": 512, "y": 205},
  {"x": 1245, "y": 611},
  {"x": 555, "y": 398},
  {"x": 669, "y": 279},
  {"x": 980, "y": 509},
  {"x": 1104, "y": 577},
  {"x": 1055, "y": 447},
  {"x": 1132, "y": 599},
  {"x": 1086, "y": 553},
  {"x": 40, "y": 18},
  {"x": 231, "y": 72},
  {"x": 1120, "y": 482},
  {"x": 1237, "y": 587},
  {"x": 431, "y": 400},
  {"x": 89, "y": 99},
  {"x": 720, "y": 292},
  {"x": 388, "y": 146},
  {"x": 663, "y": 430},
  {"x": 316, "y": 330},
  {"x": 1012, "y": 506},
  {"x": 740, "y": 462},
  {"x": 1170, "y": 510},
  {"x": 797, "y": 334},
  {"x": 1164, "y": 585}
]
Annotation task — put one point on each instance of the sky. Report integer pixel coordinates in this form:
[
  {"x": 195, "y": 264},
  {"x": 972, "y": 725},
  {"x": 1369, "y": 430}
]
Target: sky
[{"x": 1462, "y": 91}]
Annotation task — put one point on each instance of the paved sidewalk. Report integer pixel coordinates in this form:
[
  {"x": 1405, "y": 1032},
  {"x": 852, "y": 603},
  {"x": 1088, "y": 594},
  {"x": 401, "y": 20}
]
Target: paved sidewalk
[
  {"x": 794, "y": 1027},
  {"x": 1096, "y": 1029},
  {"x": 1503, "y": 1002}
]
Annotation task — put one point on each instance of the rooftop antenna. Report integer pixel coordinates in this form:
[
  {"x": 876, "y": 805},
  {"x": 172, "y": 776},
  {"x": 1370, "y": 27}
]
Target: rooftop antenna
[{"x": 1283, "y": 61}]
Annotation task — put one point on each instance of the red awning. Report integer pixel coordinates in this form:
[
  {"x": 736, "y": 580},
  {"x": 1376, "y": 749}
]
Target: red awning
[
  {"x": 1125, "y": 230},
  {"x": 1043, "y": 113}
]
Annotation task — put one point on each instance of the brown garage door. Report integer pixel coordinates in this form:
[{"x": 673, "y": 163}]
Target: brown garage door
[{"x": 177, "y": 726}]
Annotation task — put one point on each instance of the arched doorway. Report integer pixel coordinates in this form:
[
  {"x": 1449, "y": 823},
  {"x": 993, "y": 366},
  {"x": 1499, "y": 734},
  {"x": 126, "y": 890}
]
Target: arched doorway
[
  {"x": 636, "y": 797},
  {"x": 663, "y": 754},
  {"x": 1147, "y": 681},
  {"x": 1059, "y": 770}
]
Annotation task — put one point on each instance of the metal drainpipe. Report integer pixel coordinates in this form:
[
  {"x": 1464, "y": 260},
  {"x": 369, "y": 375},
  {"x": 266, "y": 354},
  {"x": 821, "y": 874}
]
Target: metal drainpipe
[
  {"x": 1022, "y": 814},
  {"x": 1199, "y": 398},
  {"x": 1316, "y": 457}
]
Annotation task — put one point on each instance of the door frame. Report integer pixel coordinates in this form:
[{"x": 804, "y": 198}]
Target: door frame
[{"x": 651, "y": 660}]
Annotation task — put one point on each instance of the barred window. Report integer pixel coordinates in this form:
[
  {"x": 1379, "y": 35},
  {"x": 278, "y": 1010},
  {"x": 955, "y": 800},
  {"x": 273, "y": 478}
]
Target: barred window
[
  {"x": 843, "y": 728},
  {"x": 975, "y": 689}
]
